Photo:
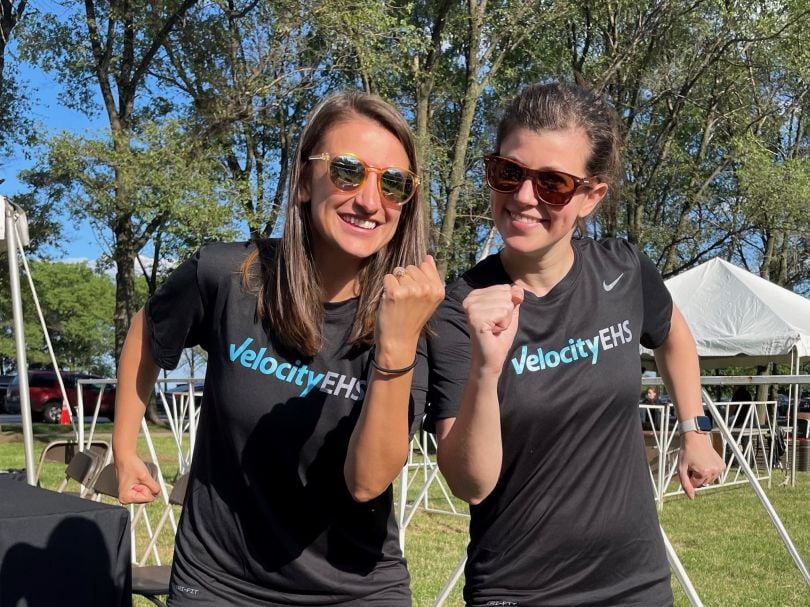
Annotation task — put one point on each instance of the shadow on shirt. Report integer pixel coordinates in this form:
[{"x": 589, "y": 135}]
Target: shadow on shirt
[{"x": 298, "y": 506}]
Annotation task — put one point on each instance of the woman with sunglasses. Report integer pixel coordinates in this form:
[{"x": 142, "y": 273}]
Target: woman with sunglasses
[
  {"x": 535, "y": 374},
  {"x": 316, "y": 372}
]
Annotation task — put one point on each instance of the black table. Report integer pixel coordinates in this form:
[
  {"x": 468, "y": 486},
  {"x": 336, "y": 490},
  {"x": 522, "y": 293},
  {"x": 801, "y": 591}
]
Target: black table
[{"x": 58, "y": 550}]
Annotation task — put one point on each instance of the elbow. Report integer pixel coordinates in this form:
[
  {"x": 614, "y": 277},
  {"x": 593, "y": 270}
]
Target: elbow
[
  {"x": 362, "y": 494},
  {"x": 364, "y": 488},
  {"x": 471, "y": 490},
  {"x": 472, "y": 495},
  {"x": 475, "y": 500}
]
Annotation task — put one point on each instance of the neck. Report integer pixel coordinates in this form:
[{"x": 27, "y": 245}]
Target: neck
[
  {"x": 538, "y": 273},
  {"x": 338, "y": 278}
]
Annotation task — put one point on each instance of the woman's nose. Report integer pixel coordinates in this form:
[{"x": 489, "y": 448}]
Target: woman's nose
[
  {"x": 525, "y": 193},
  {"x": 368, "y": 197}
]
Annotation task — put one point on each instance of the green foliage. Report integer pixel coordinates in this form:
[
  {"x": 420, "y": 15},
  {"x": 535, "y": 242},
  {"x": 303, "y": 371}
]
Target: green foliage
[
  {"x": 712, "y": 98},
  {"x": 77, "y": 305},
  {"x": 774, "y": 190},
  {"x": 172, "y": 182}
]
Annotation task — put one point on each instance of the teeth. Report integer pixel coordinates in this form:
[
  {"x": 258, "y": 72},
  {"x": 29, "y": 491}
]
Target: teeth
[
  {"x": 360, "y": 223},
  {"x": 523, "y": 219}
]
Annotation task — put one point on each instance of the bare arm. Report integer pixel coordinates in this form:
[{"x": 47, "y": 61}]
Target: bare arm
[
  {"x": 379, "y": 444},
  {"x": 470, "y": 450},
  {"x": 677, "y": 361},
  {"x": 137, "y": 373}
]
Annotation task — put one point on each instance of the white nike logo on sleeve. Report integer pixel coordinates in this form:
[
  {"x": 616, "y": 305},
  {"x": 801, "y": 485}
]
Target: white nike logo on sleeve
[{"x": 609, "y": 286}]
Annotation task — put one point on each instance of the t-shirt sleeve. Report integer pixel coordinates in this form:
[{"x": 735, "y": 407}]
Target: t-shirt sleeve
[
  {"x": 174, "y": 314},
  {"x": 449, "y": 361},
  {"x": 657, "y": 304}
]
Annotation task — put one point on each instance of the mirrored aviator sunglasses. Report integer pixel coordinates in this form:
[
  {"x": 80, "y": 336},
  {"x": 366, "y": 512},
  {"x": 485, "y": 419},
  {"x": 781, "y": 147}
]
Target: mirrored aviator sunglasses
[
  {"x": 347, "y": 173},
  {"x": 554, "y": 188}
]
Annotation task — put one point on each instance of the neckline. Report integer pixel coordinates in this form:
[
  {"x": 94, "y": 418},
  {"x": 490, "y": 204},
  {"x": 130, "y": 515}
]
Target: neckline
[
  {"x": 336, "y": 309},
  {"x": 562, "y": 288}
]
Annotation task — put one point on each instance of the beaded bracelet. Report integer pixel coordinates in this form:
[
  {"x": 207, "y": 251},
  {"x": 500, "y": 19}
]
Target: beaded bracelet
[{"x": 389, "y": 371}]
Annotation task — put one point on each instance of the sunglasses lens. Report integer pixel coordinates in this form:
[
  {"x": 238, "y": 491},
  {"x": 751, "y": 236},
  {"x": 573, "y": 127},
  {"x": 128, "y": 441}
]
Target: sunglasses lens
[
  {"x": 503, "y": 175},
  {"x": 396, "y": 185},
  {"x": 551, "y": 187},
  {"x": 554, "y": 188},
  {"x": 346, "y": 172}
]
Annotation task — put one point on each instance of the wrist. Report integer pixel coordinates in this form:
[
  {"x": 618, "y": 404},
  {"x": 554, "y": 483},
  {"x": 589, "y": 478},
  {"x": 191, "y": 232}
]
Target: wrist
[
  {"x": 698, "y": 424},
  {"x": 397, "y": 367},
  {"x": 393, "y": 357}
]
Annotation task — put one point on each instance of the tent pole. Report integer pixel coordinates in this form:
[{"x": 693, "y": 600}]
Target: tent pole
[
  {"x": 19, "y": 338},
  {"x": 794, "y": 414},
  {"x": 680, "y": 573},
  {"x": 752, "y": 479},
  {"x": 454, "y": 578}
]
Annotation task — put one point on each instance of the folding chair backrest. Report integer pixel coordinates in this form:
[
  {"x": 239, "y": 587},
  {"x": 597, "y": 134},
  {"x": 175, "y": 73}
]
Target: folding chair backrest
[
  {"x": 107, "y": 482},
  {"x": 83, "y": 468},
  {"x": 58, "y": 451},
  {"x": 102, "y": 448},
  {"x": 178, "y": 492}
]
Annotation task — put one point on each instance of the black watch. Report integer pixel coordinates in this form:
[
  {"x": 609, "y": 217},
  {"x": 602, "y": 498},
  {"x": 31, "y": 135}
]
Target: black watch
[{"x": 700, "y": 424}]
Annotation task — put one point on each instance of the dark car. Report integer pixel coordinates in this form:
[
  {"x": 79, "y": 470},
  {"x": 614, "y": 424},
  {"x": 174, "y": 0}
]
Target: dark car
[
  {"x": 46, "y": 397},
  {"x": 5, "y": 380}
]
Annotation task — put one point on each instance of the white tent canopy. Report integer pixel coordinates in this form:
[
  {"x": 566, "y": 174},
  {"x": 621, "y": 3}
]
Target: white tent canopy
[{"x": 733, "y": 313}]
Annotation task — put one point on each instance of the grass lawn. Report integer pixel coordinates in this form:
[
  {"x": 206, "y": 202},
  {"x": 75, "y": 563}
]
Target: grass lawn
[{"x": 725, "y": 539}]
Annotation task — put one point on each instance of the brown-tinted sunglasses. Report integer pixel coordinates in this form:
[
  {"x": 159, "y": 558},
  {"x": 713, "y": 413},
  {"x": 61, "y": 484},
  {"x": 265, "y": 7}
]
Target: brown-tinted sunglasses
[{"x": 552, "y": 187}]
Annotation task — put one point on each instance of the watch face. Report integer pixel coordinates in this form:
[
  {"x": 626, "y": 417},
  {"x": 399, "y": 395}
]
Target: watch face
[{"x": 704, "y": 423}]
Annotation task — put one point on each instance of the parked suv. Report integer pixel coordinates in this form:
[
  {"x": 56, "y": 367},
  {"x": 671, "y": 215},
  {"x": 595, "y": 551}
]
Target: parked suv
[{"x": 46, "y": 397}]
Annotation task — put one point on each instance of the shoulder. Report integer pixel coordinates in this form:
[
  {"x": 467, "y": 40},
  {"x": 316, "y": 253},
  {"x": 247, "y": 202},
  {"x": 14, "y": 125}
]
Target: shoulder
[
  {"x": 618, "y": 248},
  {"x": 609, "y": 254},
  {"x": 222, "y": 260},
  {"x": 485, "y": 273},
  {"x": 225, "y": 254}
]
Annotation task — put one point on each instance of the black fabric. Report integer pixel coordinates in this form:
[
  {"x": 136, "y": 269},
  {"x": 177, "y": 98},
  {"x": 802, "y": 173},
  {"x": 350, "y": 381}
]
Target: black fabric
[
  {"x": 57, "y": 549},
  {"x": 572, "y": 519},
  {"x": 268, "y": 519}
]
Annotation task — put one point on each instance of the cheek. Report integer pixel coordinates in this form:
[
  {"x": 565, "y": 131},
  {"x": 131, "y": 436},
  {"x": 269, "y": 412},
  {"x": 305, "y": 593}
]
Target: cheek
[
  {"x": 495, "y": 201},
  {"x": 305, "y": 186},
  {"x": 394, "y": 218}
]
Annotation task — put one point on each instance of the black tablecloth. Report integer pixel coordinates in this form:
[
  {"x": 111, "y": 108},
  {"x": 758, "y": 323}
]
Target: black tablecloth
[{"x": 58, "y": 550}]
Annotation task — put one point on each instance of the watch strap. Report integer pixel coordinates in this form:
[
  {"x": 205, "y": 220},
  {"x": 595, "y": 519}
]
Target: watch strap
[{"x": 690, "y": 425}]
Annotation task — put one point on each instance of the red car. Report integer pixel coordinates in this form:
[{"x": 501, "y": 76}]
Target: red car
[{"x": 46, "y": 397}]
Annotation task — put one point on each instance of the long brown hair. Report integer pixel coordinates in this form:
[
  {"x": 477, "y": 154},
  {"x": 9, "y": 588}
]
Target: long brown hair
[{"x": 284, "y": 276}]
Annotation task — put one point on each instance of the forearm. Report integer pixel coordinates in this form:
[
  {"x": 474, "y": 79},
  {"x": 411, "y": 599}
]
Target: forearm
[
  {"x": 137, "y": 373},
  {"x": 470, "y": 454},
  {"x": 379, "y": 444},
  {"x": 677, "y": 362}
]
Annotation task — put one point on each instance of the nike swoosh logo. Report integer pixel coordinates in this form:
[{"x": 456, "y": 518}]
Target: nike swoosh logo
[{"x": 609, "y": 286}]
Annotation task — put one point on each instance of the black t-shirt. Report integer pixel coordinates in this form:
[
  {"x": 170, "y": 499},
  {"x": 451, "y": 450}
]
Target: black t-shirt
[
  {"x": 268, "y": 519},
  {"x": 571, "y": 520}
]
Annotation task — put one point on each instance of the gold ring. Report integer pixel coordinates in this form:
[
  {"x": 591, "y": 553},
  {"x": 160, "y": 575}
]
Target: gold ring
[{"x": 399, "y": 272}]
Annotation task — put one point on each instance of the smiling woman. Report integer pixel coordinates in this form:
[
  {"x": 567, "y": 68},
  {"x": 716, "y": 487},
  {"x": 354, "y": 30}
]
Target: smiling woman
[
  {"x": 537, "y": 347},
  {"x": 316, "y": 374}
]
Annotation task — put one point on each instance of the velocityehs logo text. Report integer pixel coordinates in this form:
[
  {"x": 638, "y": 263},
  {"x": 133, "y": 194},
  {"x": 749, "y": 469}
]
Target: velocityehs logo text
[
  {"x": 578, "y": 349},
  {"x": 296, "y": 373}
]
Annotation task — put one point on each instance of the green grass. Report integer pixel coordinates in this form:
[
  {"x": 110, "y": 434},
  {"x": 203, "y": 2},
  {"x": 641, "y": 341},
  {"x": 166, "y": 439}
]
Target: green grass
[{"x": 725, "y": 539}]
